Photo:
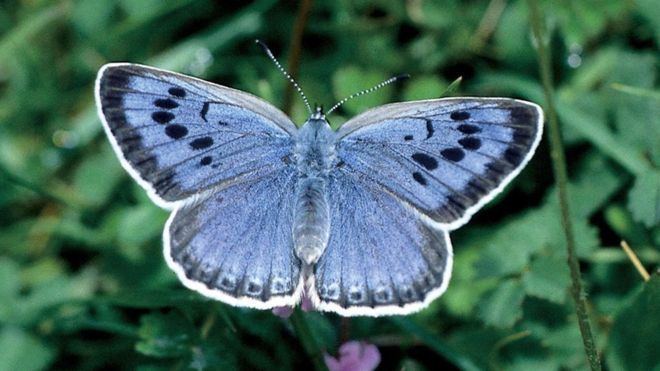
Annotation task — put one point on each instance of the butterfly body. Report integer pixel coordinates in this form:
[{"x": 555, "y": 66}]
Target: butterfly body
[
  {"x": 357, "y": 219},
  {"x": 315, "y": 157}
]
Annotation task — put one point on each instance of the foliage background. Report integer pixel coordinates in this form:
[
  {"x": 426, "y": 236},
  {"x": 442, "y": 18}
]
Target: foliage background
[{"x": 83, "y": 284}]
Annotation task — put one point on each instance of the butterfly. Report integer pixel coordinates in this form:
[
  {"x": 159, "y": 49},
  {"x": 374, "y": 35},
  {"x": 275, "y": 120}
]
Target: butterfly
[{"x": 263, "y": 212}]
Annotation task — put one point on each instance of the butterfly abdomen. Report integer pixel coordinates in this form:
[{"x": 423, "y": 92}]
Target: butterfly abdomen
[
  {"x": 311, "y": 223},
  {"x": 315, "y": 153}
]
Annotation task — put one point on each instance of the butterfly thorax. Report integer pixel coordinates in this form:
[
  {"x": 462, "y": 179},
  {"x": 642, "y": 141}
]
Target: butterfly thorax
[{"x": 315, "y": 154}]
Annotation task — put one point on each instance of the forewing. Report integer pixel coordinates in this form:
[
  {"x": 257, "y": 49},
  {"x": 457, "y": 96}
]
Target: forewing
[
  {"x": 177, "y": 135},
  {"x": 235, "y": 244},
  {"x": 382, "y": 257},
  {"x": 446, "y": 157}
]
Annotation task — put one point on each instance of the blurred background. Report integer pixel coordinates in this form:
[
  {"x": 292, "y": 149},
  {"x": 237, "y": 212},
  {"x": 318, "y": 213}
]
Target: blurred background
[{"x": 83, "y": 284}]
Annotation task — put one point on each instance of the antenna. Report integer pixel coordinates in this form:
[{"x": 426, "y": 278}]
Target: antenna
[
  {"x": 286, "y": 74},
  {"x": 367, "y": 91}
]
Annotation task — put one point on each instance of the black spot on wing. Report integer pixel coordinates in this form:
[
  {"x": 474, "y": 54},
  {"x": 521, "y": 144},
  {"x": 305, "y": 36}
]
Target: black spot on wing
[
  {"x": 201, "y": 143},
  {"x": 162, "y": 117},
  {"x": 205, "y": 110},
  {"x": 408, "y": 138},
  {"x": 166, "y": 103},
  {"x": 468, "y": 129},
  {"x": 470, "y": 143},
  {"x": 429, "y": 129},
  {"x": 419, "y": 178},
  {"x": 459, "y": 115},
  {"x": 454, "y": 154},
  {"x": 177, "y": 92},
  {"x": 425, "y": 160},
  {"x": 176, "y": 131},
  {"x": 206, "y": 160}
]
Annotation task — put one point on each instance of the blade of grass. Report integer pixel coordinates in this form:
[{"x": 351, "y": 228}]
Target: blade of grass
[
  {"x": 30, "y": 27},
  {"x": 561, "y": 178}
]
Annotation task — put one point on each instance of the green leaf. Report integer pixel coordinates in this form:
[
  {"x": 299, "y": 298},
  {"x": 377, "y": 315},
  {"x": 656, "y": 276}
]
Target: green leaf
[
  {"x": 22, "y": 351},
  {"x": 511, "y": 246},
  {"x": 565, "y": 344},
  {"x": 644, "y": 199},
  {"x": 424, "y": 87},
  {"x": 138, "y": 225},
  {"x": 165, "y": 335},
  {"x": 634, "y": 340},
  {"x": 352, "y": 79},
  {"x": 547, "y": 278},
  {"x": 97, "y": 177},
  {"x": 503, "y": 307},
  {"x": 57, "y": 291}
]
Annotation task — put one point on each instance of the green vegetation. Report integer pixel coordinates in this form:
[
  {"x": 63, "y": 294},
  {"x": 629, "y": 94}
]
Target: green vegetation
[{"x": 83, "y": 284}]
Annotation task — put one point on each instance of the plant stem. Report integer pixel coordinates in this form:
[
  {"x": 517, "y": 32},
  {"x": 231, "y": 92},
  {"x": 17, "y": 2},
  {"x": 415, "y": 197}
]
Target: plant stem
[
  {"x": 561, "y": 179},
  {"x": 306, "y": 337},
  {"x": 294, "y": 50}
]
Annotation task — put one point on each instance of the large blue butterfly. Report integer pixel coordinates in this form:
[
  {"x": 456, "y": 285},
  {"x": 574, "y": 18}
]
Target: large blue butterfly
[{"x": 356, "y": 219}]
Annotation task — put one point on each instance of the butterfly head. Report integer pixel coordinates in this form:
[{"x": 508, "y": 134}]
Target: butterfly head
[{"x": 318, "y": 113}]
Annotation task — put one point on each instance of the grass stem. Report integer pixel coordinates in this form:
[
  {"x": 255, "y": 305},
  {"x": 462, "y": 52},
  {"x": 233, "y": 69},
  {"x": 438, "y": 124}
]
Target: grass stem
[{"x": 561, "y": 179}]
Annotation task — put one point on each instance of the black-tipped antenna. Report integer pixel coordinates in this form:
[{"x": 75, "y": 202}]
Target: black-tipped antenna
[
  {"x": 279, "y": 67},
  {"x": 367, "y": 91}
]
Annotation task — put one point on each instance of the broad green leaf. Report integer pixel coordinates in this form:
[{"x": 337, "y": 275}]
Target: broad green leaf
[
  {"x": 23, "y": 351},
  {"x": 547, "y": 278},
  {"x": 565, "y": 343},
  {"x": 97, "y": 176},
  {"x": 634, "y": 338},
  {"x": 424, "y": 87},
  {"x": 137, "y": 225},
  {"x": 644, "y": 199},
  {"x": 58, "y": 291},
  {"x": 352, "y": 79},
  {"x": 503, "y": 307},
  {"x": 510, "y": 247}
]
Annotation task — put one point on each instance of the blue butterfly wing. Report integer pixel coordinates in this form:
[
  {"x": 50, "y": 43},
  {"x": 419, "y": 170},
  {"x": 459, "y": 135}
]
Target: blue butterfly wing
[
  {"x": 406, "y": 174},
  {"x": 381, "y": 258},
  {"x": 235, "y": 244},
  {"x": 445, "y": 158},
  {"x": 177, "y": 135},
  {"x": 221, "y": 159}
]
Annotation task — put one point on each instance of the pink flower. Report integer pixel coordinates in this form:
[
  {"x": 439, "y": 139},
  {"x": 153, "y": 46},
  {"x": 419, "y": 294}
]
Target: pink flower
[
  {"x": 285, "y": 312},
  {"x": 354, "y": 356}
]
